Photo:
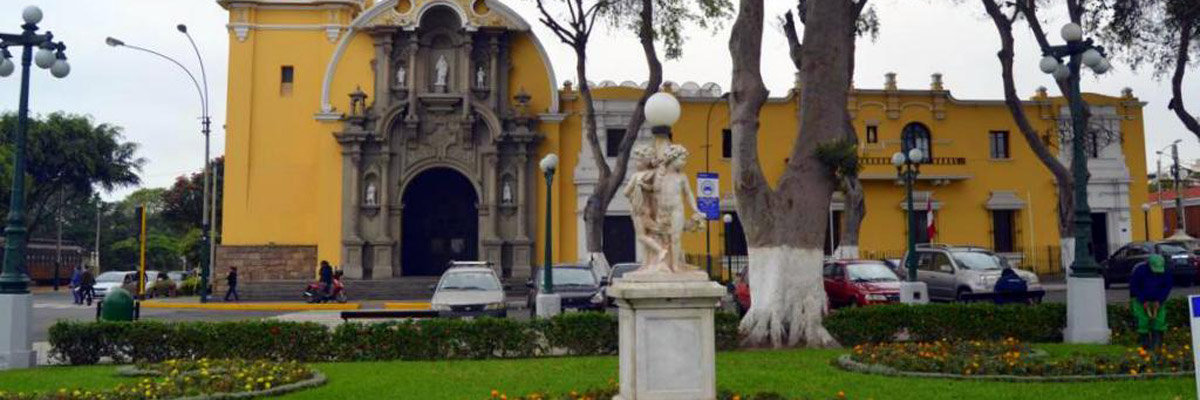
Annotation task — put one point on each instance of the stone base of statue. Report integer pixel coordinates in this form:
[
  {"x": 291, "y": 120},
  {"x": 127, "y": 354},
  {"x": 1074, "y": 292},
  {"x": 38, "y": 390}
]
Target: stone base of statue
[
  {"x": 667, "y": 341},
  {"x": 1087, "y": 311},
  {"x": 16, "y": 321}
]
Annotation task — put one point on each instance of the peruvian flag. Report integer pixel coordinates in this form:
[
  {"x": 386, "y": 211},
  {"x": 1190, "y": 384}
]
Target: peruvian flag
[{"x": 930, "y": 228}]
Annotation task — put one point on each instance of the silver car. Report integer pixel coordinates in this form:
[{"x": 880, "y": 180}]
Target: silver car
[
  {"x": 960, "y": 273},
  {"x": 469, "y": 291}
]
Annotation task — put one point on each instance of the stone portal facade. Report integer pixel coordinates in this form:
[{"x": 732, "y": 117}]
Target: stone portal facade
[{"x": 442, "y": 101}]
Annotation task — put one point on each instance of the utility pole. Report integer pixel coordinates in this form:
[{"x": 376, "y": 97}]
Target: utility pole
[
  {"x": 96, "y": 251},
  {"x": 58, "y": 243},
  {"x": 1180, "y": 218}
]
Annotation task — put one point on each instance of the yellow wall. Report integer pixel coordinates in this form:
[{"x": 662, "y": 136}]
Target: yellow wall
[{"x": 283, "y": 177}]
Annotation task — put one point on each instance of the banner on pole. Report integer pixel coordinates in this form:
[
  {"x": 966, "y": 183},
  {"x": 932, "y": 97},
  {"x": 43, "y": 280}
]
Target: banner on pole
[
  {"x": 708, "y": 195},
  {"x": 1194, "y": 314}
]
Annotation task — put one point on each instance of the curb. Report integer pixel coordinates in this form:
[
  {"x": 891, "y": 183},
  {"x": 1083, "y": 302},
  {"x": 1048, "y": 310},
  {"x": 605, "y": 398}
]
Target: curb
[
  {"x": 406, "y": 306},
  {"x": 251, "y": 306}
]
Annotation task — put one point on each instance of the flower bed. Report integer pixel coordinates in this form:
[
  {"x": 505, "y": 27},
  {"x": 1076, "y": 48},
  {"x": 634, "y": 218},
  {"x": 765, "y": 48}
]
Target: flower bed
[
  {"x": 199, "y": 379},
  {"x": 1011, "y": 359}
]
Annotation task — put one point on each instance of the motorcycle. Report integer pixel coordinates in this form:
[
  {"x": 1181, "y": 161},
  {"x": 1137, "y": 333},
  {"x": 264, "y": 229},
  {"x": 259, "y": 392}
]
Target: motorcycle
[{"x": 314, "y": 294}]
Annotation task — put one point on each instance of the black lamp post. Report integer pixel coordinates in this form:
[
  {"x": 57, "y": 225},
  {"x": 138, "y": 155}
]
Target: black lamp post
[
  {"x": 908, "y": 166},
  {"x": 1080, "y": 52},
  {"x": 548, "y": 164},
  {"x": 206, "y": 225},
  {"x": 50, "y": 55}
]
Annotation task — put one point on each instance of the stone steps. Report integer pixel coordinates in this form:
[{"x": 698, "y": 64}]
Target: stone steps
[{"x": 412, "y": 288}]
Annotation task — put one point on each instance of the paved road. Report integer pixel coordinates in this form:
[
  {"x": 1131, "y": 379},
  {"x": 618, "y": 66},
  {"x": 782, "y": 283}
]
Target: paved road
[{"x": 50, "y": 307}]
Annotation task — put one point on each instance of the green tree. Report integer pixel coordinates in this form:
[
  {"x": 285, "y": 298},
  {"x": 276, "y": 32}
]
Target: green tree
[
  {"x": 654, "y": 21},
  {"x": 69, "y": 158},
  {"x": 182, "y": 202},
  {"x": 1163, "y": 34}
]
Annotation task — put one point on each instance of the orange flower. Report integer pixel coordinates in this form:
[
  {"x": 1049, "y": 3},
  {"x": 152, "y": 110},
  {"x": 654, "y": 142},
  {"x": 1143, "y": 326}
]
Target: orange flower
[
  {"x": 495, "y": 393},
  {"x": 841, "y": 394}
]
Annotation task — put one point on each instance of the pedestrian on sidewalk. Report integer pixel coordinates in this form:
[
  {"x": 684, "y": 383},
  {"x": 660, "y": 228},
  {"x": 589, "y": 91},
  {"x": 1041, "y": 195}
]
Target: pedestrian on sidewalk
[
  {"x": 1149, "y": 287},
  {"x": 76, "y": 279},
  {"x": 232, "y": 279}
]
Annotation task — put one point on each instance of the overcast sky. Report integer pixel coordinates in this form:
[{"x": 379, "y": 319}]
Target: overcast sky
[{"x": 159, "y": 108}]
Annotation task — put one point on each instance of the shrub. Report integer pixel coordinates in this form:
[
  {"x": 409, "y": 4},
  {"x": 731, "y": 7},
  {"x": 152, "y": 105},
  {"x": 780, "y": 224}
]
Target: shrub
[
  {"x": 153, "y": 341},
  {"x": 976, "y": 321},
  {"x": 190, "y": 286}
]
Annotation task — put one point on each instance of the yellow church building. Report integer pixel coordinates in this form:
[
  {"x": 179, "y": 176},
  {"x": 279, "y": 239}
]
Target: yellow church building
[{"x": 392, "y": 136}]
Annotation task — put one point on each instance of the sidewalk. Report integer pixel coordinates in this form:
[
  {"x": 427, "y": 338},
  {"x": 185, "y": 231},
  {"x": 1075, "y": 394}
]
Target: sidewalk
[{"x": 193, "y": 303}]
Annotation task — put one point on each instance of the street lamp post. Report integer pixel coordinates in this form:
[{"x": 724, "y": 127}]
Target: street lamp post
[
  {"x": 206, "y": 226},
  {"x": 1087, "y": 319},
  {"x": 908, "y": 166},
  {"x": 549, "y": 303},
  {"x": 1146, "y": 220},
  {"x": 1180, "y": 212},
  {"x": 16, "y": 304}
]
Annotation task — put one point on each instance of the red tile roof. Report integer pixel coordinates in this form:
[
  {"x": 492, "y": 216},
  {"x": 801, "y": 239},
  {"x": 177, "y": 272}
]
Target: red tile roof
[{"x": 1188, "y": 193}]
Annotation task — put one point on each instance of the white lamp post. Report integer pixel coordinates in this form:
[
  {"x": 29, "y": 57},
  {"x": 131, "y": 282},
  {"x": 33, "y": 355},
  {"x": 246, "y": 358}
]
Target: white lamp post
[
  {"x": 16, "y": 304},
  {"x": 1087, "y": 319}
]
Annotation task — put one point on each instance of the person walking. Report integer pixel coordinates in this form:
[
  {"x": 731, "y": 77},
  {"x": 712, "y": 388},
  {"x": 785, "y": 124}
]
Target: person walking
[
  {"x": 1149, "y": 287},
  {"x": 232, "y": 280},
  {"x": 87, "y": 286},
  {"x": 76, "y": 279}
]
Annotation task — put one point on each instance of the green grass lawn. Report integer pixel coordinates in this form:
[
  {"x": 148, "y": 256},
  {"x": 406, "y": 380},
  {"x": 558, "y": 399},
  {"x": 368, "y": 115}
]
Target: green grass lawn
[{"x": 792, "y": 372}]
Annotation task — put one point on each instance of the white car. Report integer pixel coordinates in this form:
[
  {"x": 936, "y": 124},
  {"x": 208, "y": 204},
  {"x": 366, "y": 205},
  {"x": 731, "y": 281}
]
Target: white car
[
  {"x": 469, "y": 291},
  {"x": 111, "y": 279}
]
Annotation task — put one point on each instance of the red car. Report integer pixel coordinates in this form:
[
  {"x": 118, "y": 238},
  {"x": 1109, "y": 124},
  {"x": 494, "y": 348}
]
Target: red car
[
  {"x": 847, "y": 283},
  {"x": 860, "y": 283}
]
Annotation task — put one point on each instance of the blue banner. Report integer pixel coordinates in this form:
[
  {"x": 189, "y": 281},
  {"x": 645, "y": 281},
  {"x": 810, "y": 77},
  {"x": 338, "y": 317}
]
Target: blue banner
[{"x": 708, "y": 195}]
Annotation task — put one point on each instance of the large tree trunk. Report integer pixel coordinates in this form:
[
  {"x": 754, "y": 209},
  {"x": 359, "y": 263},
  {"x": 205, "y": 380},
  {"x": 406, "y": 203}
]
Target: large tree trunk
[{"x": 785, "y": 227}]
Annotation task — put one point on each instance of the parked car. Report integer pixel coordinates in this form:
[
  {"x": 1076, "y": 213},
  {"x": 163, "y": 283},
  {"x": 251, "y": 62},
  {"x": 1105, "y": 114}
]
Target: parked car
[
  {"x": 617, "y": 271},
  {"x": 1182, "y": 263},
  {"x": 575, "y": 284},
  {"x": 957, "y": 273},
  {"x": 112, "y": 279},
  {"x": 469, "y": 291},
  {"x": 860, "y": 282}
]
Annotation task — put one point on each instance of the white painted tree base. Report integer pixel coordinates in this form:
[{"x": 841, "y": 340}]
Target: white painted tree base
[
  {"x": 548, "y": 305},
  {"x": 599, "y": 263},
  {"x": 1067, "y": 253},
  {"x": 1087, "y": 311},
  {"x": 787, "y": 294},
  {"x": 846, "y": 252},
  {"x": 16, "y": 326},
  {"x": 667, "y": 337}
]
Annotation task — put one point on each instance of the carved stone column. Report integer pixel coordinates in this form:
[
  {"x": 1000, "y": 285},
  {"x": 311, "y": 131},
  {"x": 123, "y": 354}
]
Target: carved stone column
[
  {"x": 351, "y": 175},
  {"x": 383, "y": 68}
]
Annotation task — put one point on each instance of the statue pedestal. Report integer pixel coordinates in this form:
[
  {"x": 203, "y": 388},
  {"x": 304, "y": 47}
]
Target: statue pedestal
[
  {"x": 667, "y": 341},
  {"x": 16, "y": 322}
]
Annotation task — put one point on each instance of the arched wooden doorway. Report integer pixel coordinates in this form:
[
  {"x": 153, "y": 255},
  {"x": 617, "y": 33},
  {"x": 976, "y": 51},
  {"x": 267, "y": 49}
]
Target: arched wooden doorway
[{"x": 440, "y": 222}]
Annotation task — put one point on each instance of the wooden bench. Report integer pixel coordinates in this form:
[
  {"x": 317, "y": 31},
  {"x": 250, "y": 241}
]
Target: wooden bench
[{"x": 379, "y": 314}]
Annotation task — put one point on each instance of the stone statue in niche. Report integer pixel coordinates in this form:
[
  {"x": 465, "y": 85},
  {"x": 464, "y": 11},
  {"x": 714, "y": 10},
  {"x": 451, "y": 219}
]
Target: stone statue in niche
[
  {"x": 506, "y": 195},
  {"x": 656, "y": 193},
  {"x": 480, "y": 78},
  {"x": 401, "y": 76},
  {"x": 442, "y": 70},
  {"x": 372, "y": 195}
]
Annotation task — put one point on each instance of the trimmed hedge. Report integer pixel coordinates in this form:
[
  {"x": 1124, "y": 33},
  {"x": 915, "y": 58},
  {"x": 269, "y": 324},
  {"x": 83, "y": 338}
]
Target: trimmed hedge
[
  {"x": 154, "y": 341},
  {"x": 976, "y": 321}
]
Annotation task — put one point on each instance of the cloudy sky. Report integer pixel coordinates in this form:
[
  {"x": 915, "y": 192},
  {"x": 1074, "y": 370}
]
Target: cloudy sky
[{"x": 159, "y": 108}]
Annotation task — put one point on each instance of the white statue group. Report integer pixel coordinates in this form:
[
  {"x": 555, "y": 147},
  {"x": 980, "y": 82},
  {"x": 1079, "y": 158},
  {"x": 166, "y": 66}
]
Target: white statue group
[{"x": 657, "y": 192}]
